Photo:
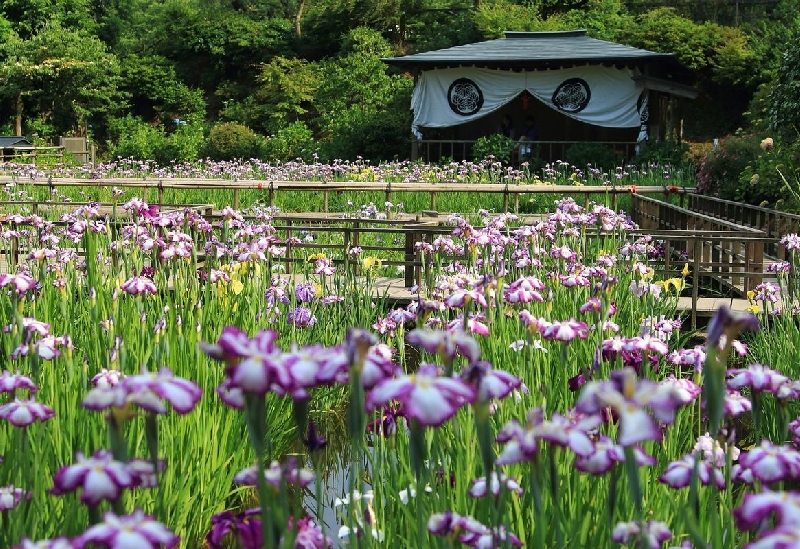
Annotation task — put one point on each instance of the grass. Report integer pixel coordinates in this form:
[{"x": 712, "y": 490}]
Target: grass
[{"x": 560, "y": 505}]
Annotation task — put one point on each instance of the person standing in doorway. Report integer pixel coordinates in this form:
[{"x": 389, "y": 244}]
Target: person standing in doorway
[
  {"x": 530, "y": 135},
  {"x": 506, "y": 127}
]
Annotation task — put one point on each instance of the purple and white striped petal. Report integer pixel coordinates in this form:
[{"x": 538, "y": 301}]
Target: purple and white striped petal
[
  {"x": 126, "y": 532},
  {"x": 22, "y": 413},
  {"x": 772, "y": 463},
  {"x": 100, "y": 476},
  {"x": 480, "y": 487},
  {"x": 55, "y": 543},
  {"x": 14, "y": 382},
  {"x": 425, "y": 396},
  {"x": 755, "y": 508},
  {"x": 182, "y": 394}
]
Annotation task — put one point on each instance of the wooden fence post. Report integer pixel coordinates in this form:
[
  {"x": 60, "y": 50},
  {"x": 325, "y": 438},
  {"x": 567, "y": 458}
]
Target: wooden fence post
[
  {"x": 410, "y": 259},
  {"x": 696, "y": 252}
]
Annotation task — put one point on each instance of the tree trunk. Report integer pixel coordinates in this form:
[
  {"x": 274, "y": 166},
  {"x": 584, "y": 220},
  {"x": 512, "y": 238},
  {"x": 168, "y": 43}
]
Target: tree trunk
[
  {"x": 18, "y": 115},
  {"x": 298, "y": 17}
]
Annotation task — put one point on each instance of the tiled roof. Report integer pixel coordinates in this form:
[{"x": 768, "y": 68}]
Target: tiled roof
[
  {"x": 10, "y": 141},
  {"x": 532, "y": 50}
]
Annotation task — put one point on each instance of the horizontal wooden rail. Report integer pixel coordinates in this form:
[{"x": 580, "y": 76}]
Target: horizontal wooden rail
[
  {"x": 773, "y": 223},
  {"x": 508, "y": 190},
  {"x": 409, "y": 230},
  {"x": 728, "y": 254},
  {"x": 433, "y": 150}
]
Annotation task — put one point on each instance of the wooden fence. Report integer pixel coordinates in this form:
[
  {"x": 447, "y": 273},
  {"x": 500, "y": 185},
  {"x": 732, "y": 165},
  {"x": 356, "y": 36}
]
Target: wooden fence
[
  {"x": 511, "y": 192},
  {"x": 435, "y": 150},
  {"x": 723, "y": 253},
  {"x": 773, "y": 223},
  {"x": 398, "y": 239}
]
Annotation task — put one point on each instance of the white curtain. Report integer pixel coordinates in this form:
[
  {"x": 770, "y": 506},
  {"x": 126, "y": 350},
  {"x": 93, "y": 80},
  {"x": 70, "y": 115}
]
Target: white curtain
[{"x": 603, "y": 96}]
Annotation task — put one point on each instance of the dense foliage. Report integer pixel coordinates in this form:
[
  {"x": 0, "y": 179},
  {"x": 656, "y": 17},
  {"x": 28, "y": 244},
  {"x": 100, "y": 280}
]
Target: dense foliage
[{"x": 153, "y": 79}]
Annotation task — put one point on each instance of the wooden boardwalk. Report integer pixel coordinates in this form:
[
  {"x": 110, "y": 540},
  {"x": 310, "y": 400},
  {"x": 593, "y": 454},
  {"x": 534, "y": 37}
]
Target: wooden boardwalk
[{"x": 397, "y": 294}]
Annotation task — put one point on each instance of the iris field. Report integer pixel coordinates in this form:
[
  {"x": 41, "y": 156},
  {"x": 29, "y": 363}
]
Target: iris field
[{"x": 164, "y": 386}]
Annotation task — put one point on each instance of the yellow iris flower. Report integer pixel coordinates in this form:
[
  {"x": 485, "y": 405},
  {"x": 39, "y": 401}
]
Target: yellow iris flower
[{"x": 371, "y": 262}]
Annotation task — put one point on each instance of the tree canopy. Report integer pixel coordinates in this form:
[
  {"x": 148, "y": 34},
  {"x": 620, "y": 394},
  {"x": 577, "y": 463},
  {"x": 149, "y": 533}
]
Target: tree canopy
[{"x": 300, "y": 70}]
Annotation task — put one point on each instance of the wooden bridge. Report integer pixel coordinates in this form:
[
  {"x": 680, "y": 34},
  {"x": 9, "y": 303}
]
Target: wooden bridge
[{"x": 726, "y": 244}]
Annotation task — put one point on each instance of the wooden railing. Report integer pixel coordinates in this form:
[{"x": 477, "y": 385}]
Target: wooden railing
[
  {"x": 724, "y": 253},
  {"x": 719, "y": 252},
  {"x": 30, "y": 153},
  {"x": 773, "y": 223},
  {"x": 434, "y": 150},
  {"x": 398, "y": 239},
  {"x": 511, "y": 192}
]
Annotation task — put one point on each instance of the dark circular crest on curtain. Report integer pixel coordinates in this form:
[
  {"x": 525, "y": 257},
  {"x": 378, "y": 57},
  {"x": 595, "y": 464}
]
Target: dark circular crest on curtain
[
  {"x": 464, "y": 97},
  {"x": 572, "y": 95}
]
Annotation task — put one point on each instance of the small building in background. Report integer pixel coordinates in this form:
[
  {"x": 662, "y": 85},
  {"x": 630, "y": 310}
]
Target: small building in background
[
  {"x": 577, "y": 89},
  {"x": 13, "y": 145}
]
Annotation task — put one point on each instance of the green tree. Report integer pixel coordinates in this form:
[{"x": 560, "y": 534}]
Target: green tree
[
  {"x": 156, "y": 92},
  {"x": 63, "y": 78},
  {"x": 493, "y": 18},
  {"x": 363, "y": 110},
  {"x": 602, "y": 19},
  {"x": 784, "y": 99},
  {"x": 287, "y": 91},
  {"x": 31, "y": 16}
]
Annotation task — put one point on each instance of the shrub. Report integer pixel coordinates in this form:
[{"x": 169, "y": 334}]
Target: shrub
[
  {"x": 229, "y": 141},
  {"x": 762, "y": 180},
  {"x": 181, "y": 145},
  {"x": 133, "y": 138},
  {"x": 718, "y": 173},
  {"x": 498, "y": 146},
  {"x": 598, "y": 155},
  {"x": 750, "y": 169},
  {"x": 664, "y": 152},
  {"x": 294, "y": 141}
]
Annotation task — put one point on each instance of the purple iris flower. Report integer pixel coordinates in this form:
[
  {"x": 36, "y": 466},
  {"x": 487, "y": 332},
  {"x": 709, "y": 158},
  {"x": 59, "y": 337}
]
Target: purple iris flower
[
  {"x": 770, "y": 462},
  {"x": 21, "y": 413},
  {"x": 55, "y": 543},
  {"x": 301, "y": 317},
  {"x": 123, "y": 532},
  {"x": 305, "y": 292},
  {"x": 100, "y": 476},
  {"x": 630, "y": 398},
  {"x": 10, "y": 383},
  {"x": 11, "y": 496},
  {"x": 426, "y": 396},
  {"x": 648, "y": 535}
]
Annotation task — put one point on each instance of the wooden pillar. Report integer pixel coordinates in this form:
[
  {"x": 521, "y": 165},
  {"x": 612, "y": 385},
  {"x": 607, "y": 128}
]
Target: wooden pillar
[{"x": 411, "y": 268}]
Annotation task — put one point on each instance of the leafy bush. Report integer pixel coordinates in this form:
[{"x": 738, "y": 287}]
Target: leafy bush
[
  {"x": 784, "y": 96},
  {"x": 751, "y": 169},
  {"x": 664, "y": 152},
  {"x": 294, "y": 141},
  {"x": 598, "y": 155},
  {"x": 180, "y": 145},
  {"x": 498, "y": 146},
  {"x": 133, "y": 138},
  {"x": 762, "y": 180},
  {"x": 718, "y": 173},
  {"x": 229, "y": 141}
]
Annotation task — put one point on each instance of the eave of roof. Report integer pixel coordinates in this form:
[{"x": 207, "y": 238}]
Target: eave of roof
[
  {"x": 531, "y": 50},
  {"x": 667, "y": 86},
  {"x": 9, "y": 141}
]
